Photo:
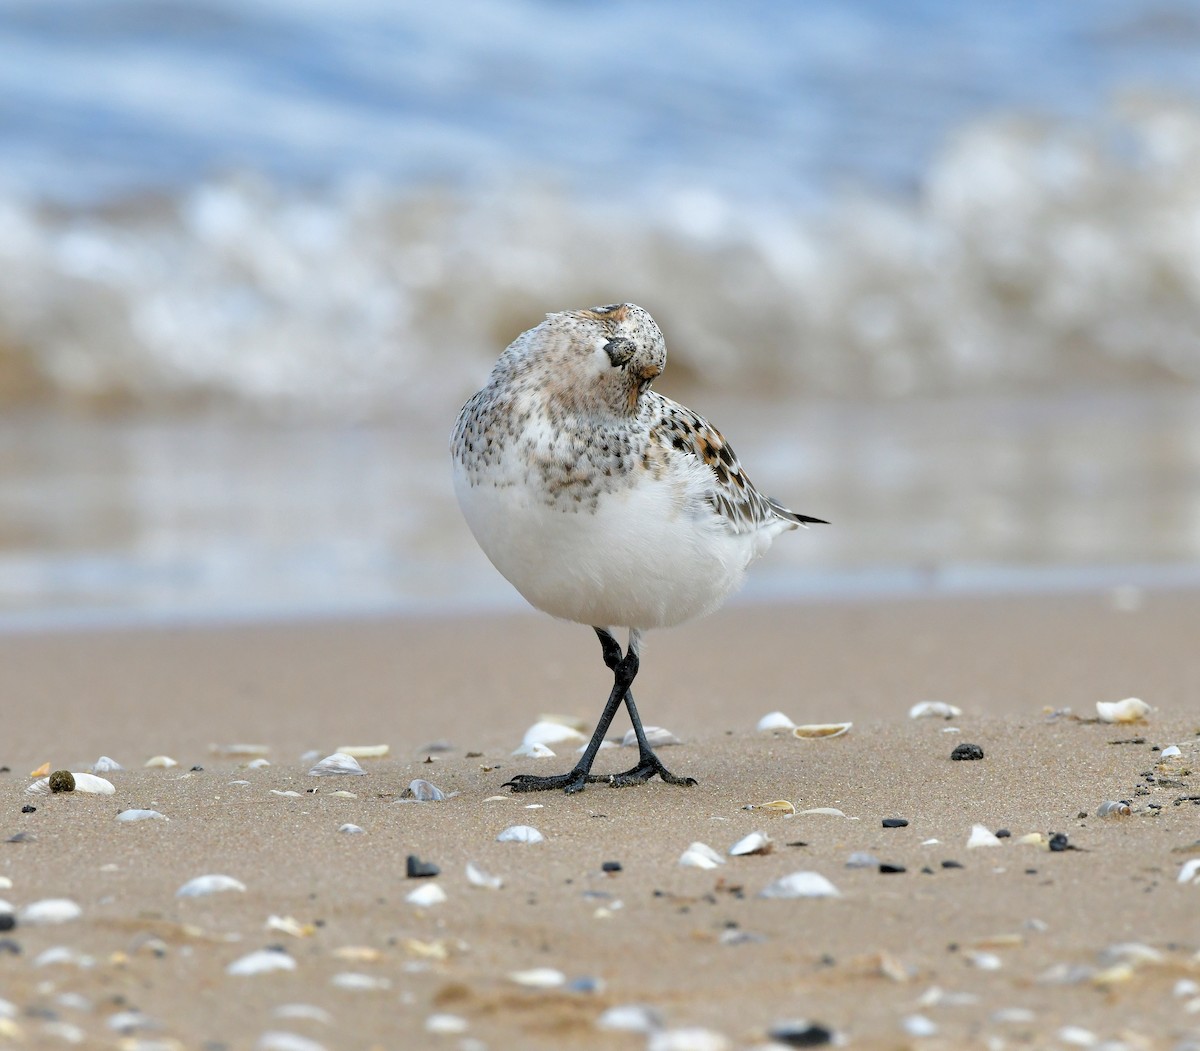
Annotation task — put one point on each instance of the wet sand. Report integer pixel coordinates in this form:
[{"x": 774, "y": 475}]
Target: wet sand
[{"x": 1016, "y": 927}]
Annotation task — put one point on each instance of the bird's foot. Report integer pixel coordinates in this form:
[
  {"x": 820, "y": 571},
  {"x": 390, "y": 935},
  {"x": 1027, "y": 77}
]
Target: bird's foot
[
  {"x": 570, "y": 782},
  {"x": 647, "y": 767}
]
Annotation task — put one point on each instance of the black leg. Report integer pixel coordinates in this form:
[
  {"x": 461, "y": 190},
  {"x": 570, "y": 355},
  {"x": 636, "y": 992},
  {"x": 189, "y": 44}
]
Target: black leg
[{"x": 624, "y": 668}]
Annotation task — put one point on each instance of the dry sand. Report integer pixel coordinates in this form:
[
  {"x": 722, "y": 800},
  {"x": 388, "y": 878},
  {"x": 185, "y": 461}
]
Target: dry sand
[{"x": 699, "y": 946}]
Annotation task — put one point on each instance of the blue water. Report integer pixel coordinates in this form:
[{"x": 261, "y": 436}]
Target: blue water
[{"x": 765, "y": 100}]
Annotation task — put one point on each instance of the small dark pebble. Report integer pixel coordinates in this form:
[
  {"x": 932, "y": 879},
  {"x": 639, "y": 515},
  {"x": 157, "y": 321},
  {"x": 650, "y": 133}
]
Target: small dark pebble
[
  {"x": 7, "y": 921},
  {"x": 586, "y": 984},
  {"x": 1081, "y": 815},
  {"x": 887, "y": 868},
  {"x": 1059, "y": 842},
  {"x": 967, "y": 751},
  {"x": 8, "y": 945},
  {"x": 1031, "y": 872},
  {"x": 1002, "y": 833},
  {"x": 952, "y": 864},
  {"x": 926, "y": 870},
  {"x": 5, "y": 769},
  {"x": 62, "y": 781},
  {"x": 415, "y": 868},
  {"x": 197, "y": 769},
  {"x": 21, "y": 837},
  {"x": 27, "y": 809},
  {"x": 611, "y": 866},
  {"x": 801, "y": 1034},
  {"x": 895, "y": 822},
  {"x": 797, "y": 843}
]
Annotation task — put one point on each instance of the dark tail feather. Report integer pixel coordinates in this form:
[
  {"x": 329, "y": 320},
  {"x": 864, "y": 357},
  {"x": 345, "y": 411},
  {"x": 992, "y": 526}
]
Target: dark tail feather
[{"x": 792, "y": 516}]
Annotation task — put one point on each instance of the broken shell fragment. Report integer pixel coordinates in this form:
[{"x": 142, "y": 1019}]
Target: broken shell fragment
[
  {"x": 630, "y": 1018},
  {"x": 160, "y": 762},
  {"x": 1190, "y": 873},
  {"x": 336, "y": 765},
  {"x": 777, "y": 806},
  {"x": 1170, "y": 752},
  {"x": 478, "y": 878},
  {"x": 423, "y": 791},
  {"x": 105, "y": 765},
  {"x": 49, "y": 910},
  {"x": 828, "y": 811},
  {"x": 800, "y": 885},
  {"x": 754, "y": 843},
  {"x": 819, "y": 731},
  {"x": 445, "y": 1024},
  {"x": 981, "y": 836},
  {"x": 211, "y": 884},
  {"x": 692, "y": 1038},
  {"x": 775, "y": 721},
  {"x": 533, "y": 750},
  {"x": 1114, "y": 808},
  {"x": 934, "y": 710},
  {"x": 539, "y": 978},
  {"x": 239, "y": 751},
  {"x": 554, "y": 730},
  {"x": 141, "y": 815},
  {"x": 425, "y": 895},
  {"x": 359, "y": 982},
  {"x": 363, "y": 751},
  {"x": 520, "y": 834},
  {"x": 700, "y": 856},
  {"x": 656, "y": 737},
  {"x": 1130, "y": 710},
  {"x": 262, "y": 961}
]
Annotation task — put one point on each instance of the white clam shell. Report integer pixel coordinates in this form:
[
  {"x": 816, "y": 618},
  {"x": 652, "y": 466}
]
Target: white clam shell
[
  {"x": 520, "y": 834},
  {"x": 209, "y": 884},
  {"x": 534, "y": 750},
  {"x": 336, "y": 765},
  {"x": 630, "y": 1018},
  {"x": 478, "y": 878},
  {"x": 356, "y": 982},
  {"x": 87, "y": 784},
  {"x": 821, "y": 731},
  {"x": 981, "y": 836},
  {"x": 754, "y": 843},
  {"x": 141, "y": 815},
  {"x": 775, "y": 721},
  {"x": 1170, "y": 752},
  {"x": 689, "y": 1039},
  {"x": 49, "y": 910},
  {"x": 1130, "y": 710},
  {"x": 105, "y": 765},
  {"x": 656, "y": 737},
  {"x": 700, "y": 856},
  {"x": 364, "y": 751},
  {"x": 426, "y": 895},
  {"x": 277, "y": 1040},
  {"x": 446, "y": 1024},
  {"x": 1190, "y": 873},
  {"x": 421, "y": 791},
  {"x": 828, "y": 811},
  {"x": 539, "y": 978},
  {"x": 351, "y": 830},
  {"x": 160, "y": 762},
  {"x": 934, "y": 710},
  {"x": 800, "y": 885},
  {"x": 550, "y": 732},
  {"x": 262, "y": 961},
  {"x": 303, "y": 1012}
]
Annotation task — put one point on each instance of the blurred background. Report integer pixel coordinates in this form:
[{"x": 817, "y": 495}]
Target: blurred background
[{"x": 933, "y": 267}]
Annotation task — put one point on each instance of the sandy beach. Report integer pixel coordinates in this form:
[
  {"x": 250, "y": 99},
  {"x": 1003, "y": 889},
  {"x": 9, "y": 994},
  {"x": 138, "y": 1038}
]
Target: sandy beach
[{"x": 1012, "y": 949}]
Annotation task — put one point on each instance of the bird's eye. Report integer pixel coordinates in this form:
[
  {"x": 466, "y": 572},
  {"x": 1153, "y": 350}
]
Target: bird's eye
[{"x": 619, "y": 350}]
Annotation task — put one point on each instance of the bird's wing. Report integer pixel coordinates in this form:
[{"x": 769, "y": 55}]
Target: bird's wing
[{"x": 732, "y": 495}]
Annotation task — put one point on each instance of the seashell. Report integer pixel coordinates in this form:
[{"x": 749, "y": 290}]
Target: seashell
[
  {"x": 539, "y": 978},
  {"x": 5, "y": 883},
  {"x": 520, "y": 834},
  {"x": 127, "y": 1022},
  {"x": 534, "y": 750},
  {"x": 754, "y": 843},
  {"x": 777, "y": 806},
  {"x": 426, "y": 950},
  {"x": 213, "y": 884},
  {"x": 984, "y": 961},
  {"x": 774, "y": 721},
  {"x": 700, "y": 856},
  {"x": 549, "y": 730},
  {"x": 828, "y": 811},
  {"x": 363, "y": 751},
  {"x": 258, "y": 764},
  {"x": 690, "y": 1039},
  {"x": 478, "y": 878},
  {"x": 359, "y": 982},
  {"x": 1114, "y": 808},
  {"x": 286, "y": 793},
  {"x": 276, "y": 1040},
  {"x": 358, "y": 953},
  {"x": 352, "y": 830},
  {"x": 86, "y": 784},
  {"x": 820, "y": 731},
  {"x": 919, "y": 1025},
  {"x": 341, "y": 793},
  {"x": 141, "y": 815},
  {"x": 630, "y": 1018},
  {"x": 262, "y": 961},
  {"x": 47, "y": 911},
  {"x": 1185, "y": 987},
  {"x": 104, "y": 765},
  {"x": 41, "y": 771},
  {"x": 336, "y": 765},
  {"x": 1170, "y": 752},
  {"x": 289, "y": 925},
  {"x": 63, "y": 954},
  {"x": 1190, "y": 873},
  {"x": 1012, "y": 1016},
  {"x": 861, "y": 859},
  {"x": 238, "y": 751},
  {"x": 981, "y": 836},
  {"x": 160, "y": 762},
  {"x": 800, "y": 885},
  {"x": 934, "y": 710},
  {"x": 1077, "y": 1036},
  {"x": 423, "y": 791},
  {"x": 425, "y": 895},
  {"x": 304, "y": 1012},
  {"x": 656, "y": 737},
  {"x": 445, "y": 1024},
  {"x": 1130, "y": 710}
]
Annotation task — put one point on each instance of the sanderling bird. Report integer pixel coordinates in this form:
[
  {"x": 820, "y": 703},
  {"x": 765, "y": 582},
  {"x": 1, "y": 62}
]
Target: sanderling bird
[{"x": 603, "y": 502}]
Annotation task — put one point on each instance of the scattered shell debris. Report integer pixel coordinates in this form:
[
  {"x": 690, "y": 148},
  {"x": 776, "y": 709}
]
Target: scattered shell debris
[
  {"x": 289, "y": 925},
  {"x": 363, "y": 751},
  {"x": 800, "y": 885},
  {"x": 214, "y": 883},
  {"x": 754, "y": 843},
  {"x": 65, "y": 781},
  {"x": 656, "y": 737},
  {"x": 262, "y": 961},
  {"x": 520, "y": 834},
  {"x": 821, "y": 731},
  {"x": 775, "y": 721},
  {"x": 286, "y": 793},
  {"x": 826, "y": 811},
  {"x": 700, "y": 856},
  {"x": 337, "y": 765},
  {"x": 934, "y": 710},
  {"x": 141, "y": 815},
  {"x": 160, "y": 762},
  {"x": 1130, "y": 710}
]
